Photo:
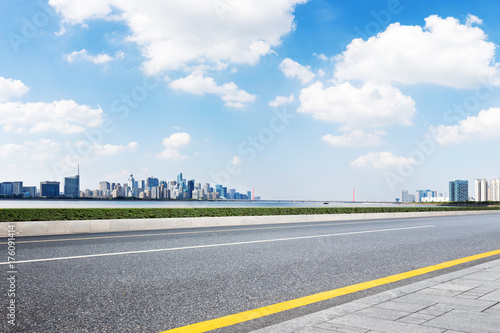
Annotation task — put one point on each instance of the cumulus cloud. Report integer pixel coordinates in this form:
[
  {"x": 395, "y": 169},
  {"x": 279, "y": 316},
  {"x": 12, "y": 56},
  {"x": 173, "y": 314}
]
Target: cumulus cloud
[
  {"x": 484, "y": 126},
  {"x": 172, "y": 145},
  {"x": 109, "y": 150},
  {"x": 382, "y": 160},
  {"x": 295, "y": 70},
  {"x": 177, "y": 140},
  {"x": 10, "y": 89},
  {"x": 96, "y": 59},
  {"x": 173, "y": 35},
  {"x": 197, "y": 83},
  {"x": 356, "y": 137},
  {"x": 282, "y": 100},
  {"x": 372, "y": 105},
  {"x": 65, "y": 116},
  {"x": 443, "y": 52}
]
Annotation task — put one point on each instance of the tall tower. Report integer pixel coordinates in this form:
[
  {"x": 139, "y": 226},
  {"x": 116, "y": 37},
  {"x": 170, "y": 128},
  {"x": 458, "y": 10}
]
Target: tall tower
[{"x": 131, "y": 182}]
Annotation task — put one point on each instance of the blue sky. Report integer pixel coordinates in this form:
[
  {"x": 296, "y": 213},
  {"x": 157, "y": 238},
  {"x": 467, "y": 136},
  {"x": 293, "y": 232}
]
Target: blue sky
[{"x": 299, "y": 99}]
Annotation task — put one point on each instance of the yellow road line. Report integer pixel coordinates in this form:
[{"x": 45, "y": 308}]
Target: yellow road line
[
  {"x": 203, "y": 232},
  {"x": 295, "y": 303}
]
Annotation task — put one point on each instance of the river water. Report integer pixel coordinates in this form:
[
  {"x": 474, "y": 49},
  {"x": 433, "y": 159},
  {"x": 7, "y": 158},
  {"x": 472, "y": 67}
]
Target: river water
[{"x": 6, "y": 203}]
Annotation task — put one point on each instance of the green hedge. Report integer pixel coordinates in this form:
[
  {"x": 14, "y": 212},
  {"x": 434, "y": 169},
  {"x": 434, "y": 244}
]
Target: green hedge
[{"x": 60, "y": 214}]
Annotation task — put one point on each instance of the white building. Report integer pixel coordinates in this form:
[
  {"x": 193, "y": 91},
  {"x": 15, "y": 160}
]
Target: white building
[
  {"x": 481, "y": 190},
  {"x": 494, "y": 192},
  {"x": 435, "y": 199}
]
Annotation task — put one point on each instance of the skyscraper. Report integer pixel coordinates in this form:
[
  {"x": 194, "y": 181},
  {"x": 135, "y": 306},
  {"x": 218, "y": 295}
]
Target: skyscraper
[
  {"x": 481, "y": 187},
  {"x": 459, "y": 190},
  {"x": 72, "y": 186},
  {"x": 190, "y": 188},
  {"x": 104, "y": 189},
  {"x": 152, "y": 182},
  {"x": 131, "y": 182},
  {"x": 494, "y": 194}
]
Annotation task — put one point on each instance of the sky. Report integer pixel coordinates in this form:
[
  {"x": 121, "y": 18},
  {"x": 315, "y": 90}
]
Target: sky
[{"x": 298, "y": 99}]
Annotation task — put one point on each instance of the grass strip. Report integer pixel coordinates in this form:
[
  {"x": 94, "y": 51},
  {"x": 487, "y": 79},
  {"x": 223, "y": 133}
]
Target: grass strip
[{"x": 64, "y": 214}]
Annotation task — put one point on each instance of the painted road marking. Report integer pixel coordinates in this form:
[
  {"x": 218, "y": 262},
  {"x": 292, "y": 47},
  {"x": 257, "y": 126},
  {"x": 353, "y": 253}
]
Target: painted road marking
[
  {"x": 295, "y": 303},
  {"x": 218, "y": 245},
  {"x": 223, "y": 230}
]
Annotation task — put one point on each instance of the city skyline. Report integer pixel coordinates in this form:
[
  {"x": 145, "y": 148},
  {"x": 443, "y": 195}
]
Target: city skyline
[
  {"x": 149, "y": 188},
  {"x": 308, "y": 102}
]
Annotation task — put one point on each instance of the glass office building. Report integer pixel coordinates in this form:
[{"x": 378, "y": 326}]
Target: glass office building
[
  {"x": 72, "y": 186},
  {"x": 49, "y": 189},
  {"x": 459, "y": 190}
]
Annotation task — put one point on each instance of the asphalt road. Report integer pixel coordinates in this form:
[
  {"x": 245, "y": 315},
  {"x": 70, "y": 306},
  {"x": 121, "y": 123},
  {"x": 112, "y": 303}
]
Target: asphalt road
[{"x": 157, "y": 280}]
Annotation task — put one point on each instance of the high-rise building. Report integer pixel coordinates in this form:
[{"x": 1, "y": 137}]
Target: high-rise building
[
  {"x": 131, "y": 182},
  {"x": 459, "y": 190},
  {"x": 17, "y": 188},
  {"x": 218, "y": 189},
  {"x": 7, "y": 188},
  {"x": 190, "y": 188},
  {"x": 72, "y": 186},
  {"x": 152, "y": 182},
  {"x": 104, "y": 189},
  {"x": 494, "y": 193},
  {"x": 421, "y": 194},
  {"x": 481, "y": 187},
  {"x": 406, "y": 197},
  {"x": 49, "y": 189}
]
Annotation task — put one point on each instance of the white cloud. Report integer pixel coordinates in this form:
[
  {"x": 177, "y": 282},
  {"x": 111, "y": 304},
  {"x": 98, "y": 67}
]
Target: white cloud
[
  {"x": 282, "y": 100},
  {"x": 484, "y": 126},
  {"x": 65, "y": 116},
  {"x": 197, "y": 83},
  {"x": 444, "y": 52},
  {"x": 236, "y": 160},
  {"x": 356, "y": 137},
  {"x": 41, "y": 150},
  {"x": 61, "y": 31},
  {"x": 473, "y": 19},
  {"x": 177, "y": 140},
  {"x": 295, "y": 70},
  {"x": 321, "y": 56},
  {"x": 173, "y": 35},
  {"x": 10, "y": 149},
  {"x": 10, "y": 89},
  {"x": 382, "y": 160},
  {"x": 109, "y": 150},
  {"x": 78, "y": 11},
  {"x": 96, "y": 59},
  {"x": 372, "y": 105},
  {"x": 172, "y": 143}
]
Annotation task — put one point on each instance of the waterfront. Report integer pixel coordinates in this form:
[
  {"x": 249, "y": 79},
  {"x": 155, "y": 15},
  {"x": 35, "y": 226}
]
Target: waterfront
[{"x": 12, "y": 203}]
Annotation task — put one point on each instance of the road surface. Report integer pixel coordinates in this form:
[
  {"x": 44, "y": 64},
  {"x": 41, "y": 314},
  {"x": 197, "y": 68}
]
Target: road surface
[{"x": 157, "y": 280}]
